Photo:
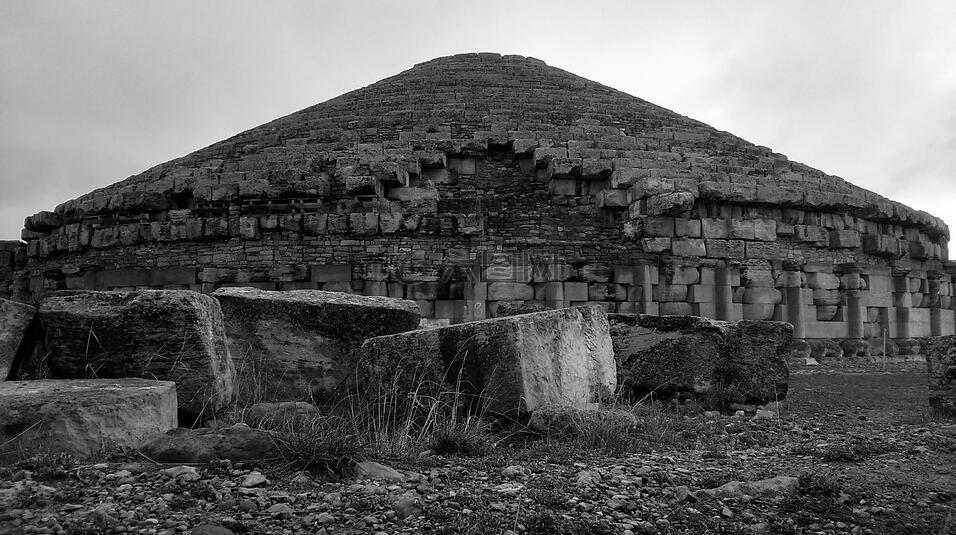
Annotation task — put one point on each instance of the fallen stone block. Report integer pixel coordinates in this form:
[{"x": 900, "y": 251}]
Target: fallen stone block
[
  {"x": 825, "y": 350},
  {"x": 940, "y": 352},
  {"x": 855, "y": 347},
  {"x": 775, "y": 487},
  {"x": 513, "y": 364},
  {"x": 516, "y": 308},
  {"x": 236, "y": 442},
  {"x": 15, "y": 319},
  {"x": 716, "y": 362},
  {"x": 85, "y": 416},
  {"x": 173, "y": 335},
  {"x": 907, "y": 346},
  {"x": 297, "y": 344}
]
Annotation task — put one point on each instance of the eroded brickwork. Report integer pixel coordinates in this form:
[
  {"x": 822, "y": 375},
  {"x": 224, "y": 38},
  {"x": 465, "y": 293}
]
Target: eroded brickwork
[{"x": 475, "y": 179}]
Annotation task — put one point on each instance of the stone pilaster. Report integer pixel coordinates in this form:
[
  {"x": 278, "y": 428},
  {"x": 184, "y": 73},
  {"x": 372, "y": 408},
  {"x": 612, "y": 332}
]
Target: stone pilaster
[
  {"x": 855, "y": 308},
  {"x": 791, "y": 284},
  {"x": 723, "y": 293}
]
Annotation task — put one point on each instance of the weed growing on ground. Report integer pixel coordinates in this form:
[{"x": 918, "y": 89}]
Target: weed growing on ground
[
  {"x": 388, "y": 421},
  {"x": 467, "y": 436},
  {"x": 327, "y": 444},
  {"x": 49, "y": 465}
]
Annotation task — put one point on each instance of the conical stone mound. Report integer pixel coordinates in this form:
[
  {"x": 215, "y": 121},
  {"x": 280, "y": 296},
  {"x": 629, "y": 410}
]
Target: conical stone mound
[{"x": 478, "y": 179}]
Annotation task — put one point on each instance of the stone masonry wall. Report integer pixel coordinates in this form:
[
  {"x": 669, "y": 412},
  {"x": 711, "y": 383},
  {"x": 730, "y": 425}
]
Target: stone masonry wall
[{"x": 477, "y": 179}]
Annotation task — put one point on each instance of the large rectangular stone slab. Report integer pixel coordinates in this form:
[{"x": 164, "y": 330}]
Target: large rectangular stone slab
[
  {"x": 291, "y": 345},
  {"x": 516, "y": 364},
  {"x": 940, "y": 352},
  {"x": 174, "y": 335},
  {"x": 688, "y": 356},
  {"x": 85, "y": 416},
  {"x": 15, "y": 319}
]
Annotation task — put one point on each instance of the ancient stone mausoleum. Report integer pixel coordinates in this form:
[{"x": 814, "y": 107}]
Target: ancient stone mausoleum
[{"x": 474, "y": 180}]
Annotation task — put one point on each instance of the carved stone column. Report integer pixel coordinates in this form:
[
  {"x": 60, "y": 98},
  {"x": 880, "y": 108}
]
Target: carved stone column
[
  {"x": 855, "y": 312},
  {"x": 723, "y": 293}
]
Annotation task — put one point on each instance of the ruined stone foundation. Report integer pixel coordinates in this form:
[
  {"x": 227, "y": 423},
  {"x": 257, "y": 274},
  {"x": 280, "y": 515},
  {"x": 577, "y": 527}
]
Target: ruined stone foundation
[{"x": 474, "y": 180}]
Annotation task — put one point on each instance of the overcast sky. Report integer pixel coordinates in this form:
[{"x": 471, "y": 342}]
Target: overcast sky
[{"x": 94, "y": 91}]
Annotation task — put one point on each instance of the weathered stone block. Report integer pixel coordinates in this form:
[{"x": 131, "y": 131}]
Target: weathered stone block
[
  {"x": 563, "y": 186},
  {"x": 612, "y": 199},
  {"x": 700, "y": 293},
  {"x": 505, "y": 271},
  {"x": 823, "y": 281},
  {"x": 237, "y": 442},
  {"x": 715, "y": 228},
  {"x": 687, "y": 228},
  {"x": 249, "y": 228},
  {"x": 596, "y": 168},
  {"x": 297, "y": 343},
  {"x": 669, "y": 203},
  {"x": 424, "y": 290},
  {"x": 758, "y": 311},
  {"x": 542, "y": 157},
  {"x": 881, "y": 245},
  {"x": 161, "y": 334},
  {"x": 827, "y": 297},
  {"x": 337, "y": 224},
  {"x": 742, "y": 229},
  {"x": 659, "y": 227},
  {"x": 725, "y": 248},
  {"x": 625, "y": 177},
  {"x": 670, "y": 292},
  {"x": 510, "y": 291},
  {"x": 364, "y": 224},
  {"x": 762, "y": 295},
  {"x": 789, "y": 279},
  {"x": 597, "y": 273},
  {"x": 688, "y": 247},
  {"x": 576, "y": 291},
  {"x": 940, "y": 355},
  {"x": 650, "y": 185},
  {"x": 811, "y": 234},
  {"x": 675, "y": 309},
  {"x": 718, "y": 362},
  {"x": 682, "y": 275},
  {"x": 15, "y": 319},
  {"x": 757, "y": 278},
  {"x": 511, "y": 365},
  {"x": 844, "y": 239},
  {"x": 390, "y": 223},
  {"x": 826, "y": 312},
  {"x": 360, "y": 185},
  {"x": 765, "y": 230},
  {"x": 331, "y": 273},
  {"x": 656, "y": 245},
  {"x": 43, "y": 221},
  {"x": 85, "y": 416},
  {"x": 607, "y": 292},
  {"x": 624, "y": 274}
]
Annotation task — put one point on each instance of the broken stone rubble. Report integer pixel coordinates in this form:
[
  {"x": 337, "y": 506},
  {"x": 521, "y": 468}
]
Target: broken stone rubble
[
  {"x": 513, "y": 365},
  {"x": 156, "y": 334},
  {"x": 661, "y": 357},
  {"x": 15, "y": 319},
  {"x": 540, "y": 381},
  {"x": 297, "y": 343},
  {"x": 84, "y": 416}
]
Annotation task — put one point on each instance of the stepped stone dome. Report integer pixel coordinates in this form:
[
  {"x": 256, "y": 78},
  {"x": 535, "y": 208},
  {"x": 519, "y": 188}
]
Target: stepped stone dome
[{"x": 476, "y": 181}]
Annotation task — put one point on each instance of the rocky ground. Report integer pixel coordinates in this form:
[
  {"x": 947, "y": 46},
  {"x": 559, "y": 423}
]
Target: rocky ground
[{"x": 851, "y": 451}]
